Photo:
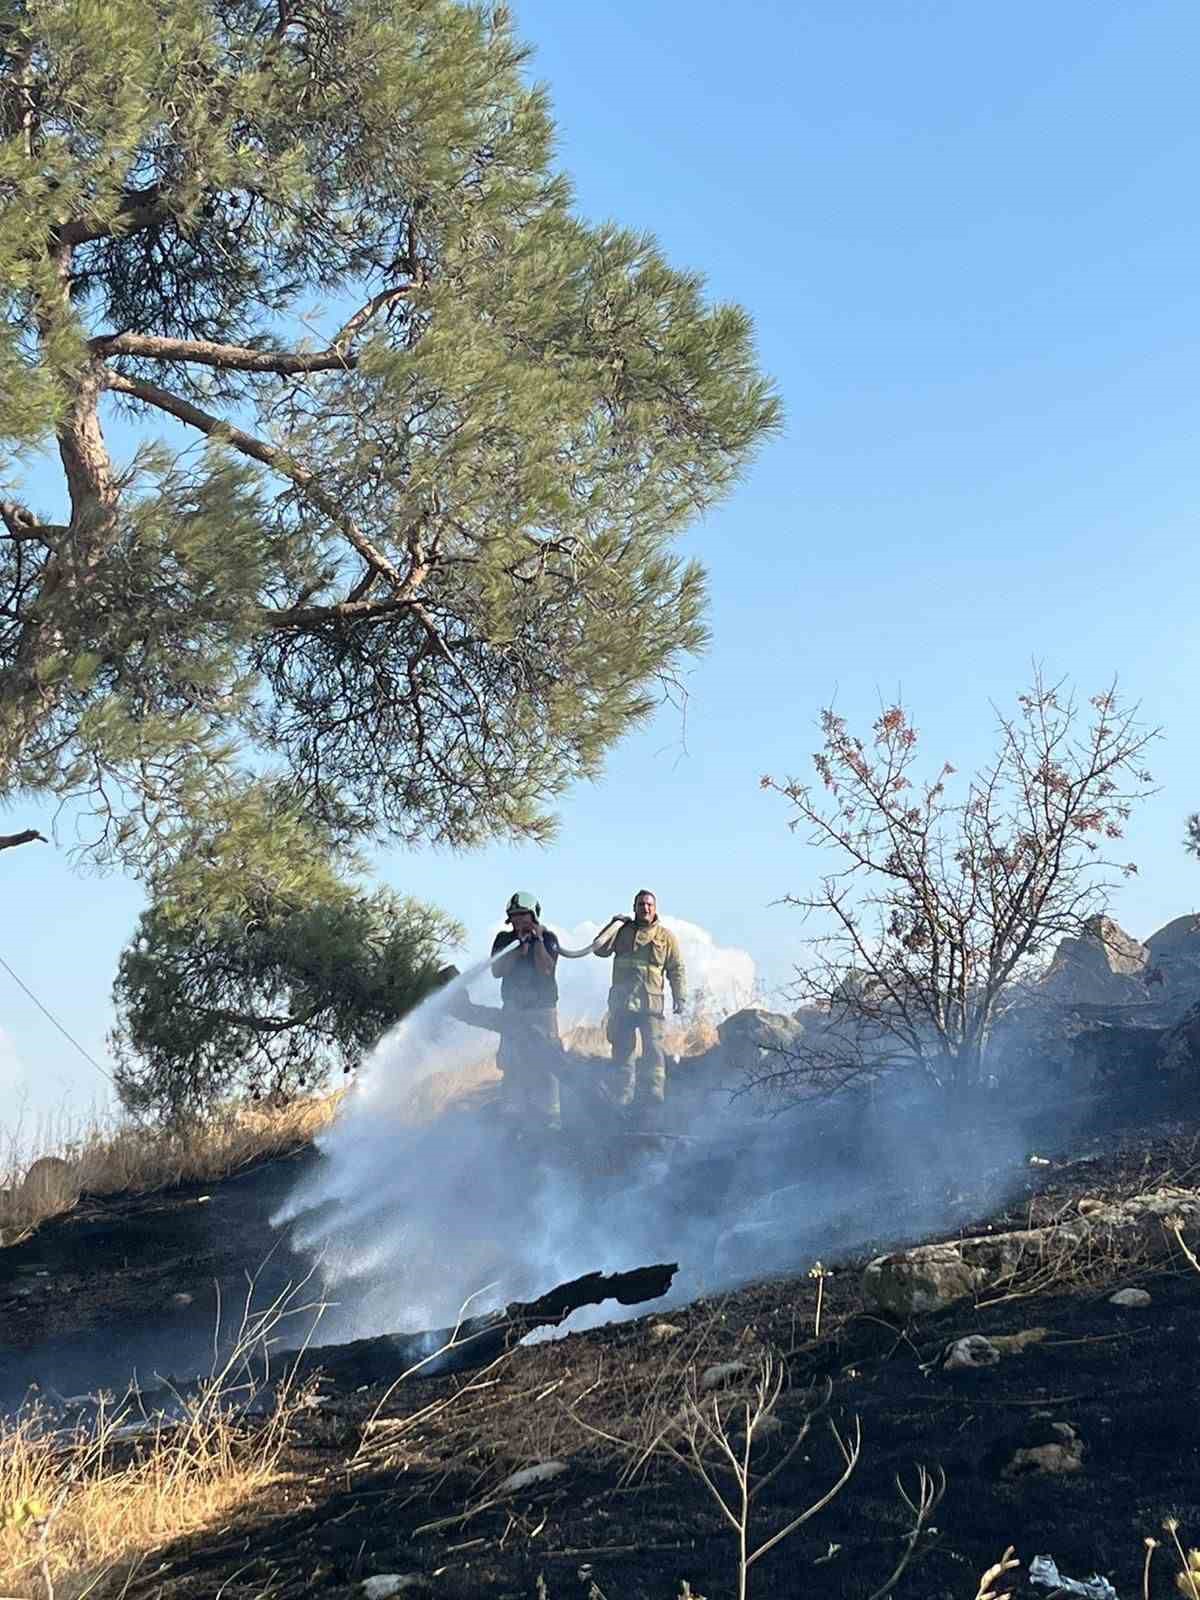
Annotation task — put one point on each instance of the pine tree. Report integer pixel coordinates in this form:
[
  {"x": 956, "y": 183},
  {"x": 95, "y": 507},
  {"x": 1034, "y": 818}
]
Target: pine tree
[
  {"x": 412, "y": 441},
  {"x": 241, "y": 981}
]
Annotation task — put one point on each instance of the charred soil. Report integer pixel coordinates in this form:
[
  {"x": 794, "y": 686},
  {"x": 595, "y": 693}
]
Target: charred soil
[{"x": 410, "y": 1479}]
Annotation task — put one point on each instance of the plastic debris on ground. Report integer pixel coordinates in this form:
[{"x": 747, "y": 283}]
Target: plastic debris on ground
[{"x": 1044, "y": 1571}]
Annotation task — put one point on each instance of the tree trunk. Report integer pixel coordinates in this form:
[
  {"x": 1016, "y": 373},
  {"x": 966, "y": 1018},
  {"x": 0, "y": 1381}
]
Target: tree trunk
[{"x": 94, "y": 494}]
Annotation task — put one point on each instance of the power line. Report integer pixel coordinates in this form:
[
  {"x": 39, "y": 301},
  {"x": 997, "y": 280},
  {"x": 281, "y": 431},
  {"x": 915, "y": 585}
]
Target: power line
[{"x": 87, "y": 1056}]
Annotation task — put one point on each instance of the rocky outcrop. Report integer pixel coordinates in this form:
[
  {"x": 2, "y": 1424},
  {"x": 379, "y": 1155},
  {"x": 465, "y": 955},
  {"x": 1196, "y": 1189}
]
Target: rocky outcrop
[
  {"x": 931, "y": 1276},
  {"x": 746, "y": 1041},
  {"x": 751, "y": 1034},
  {"x": 1061, "y": 1452},
  {"x": 1177, "y": 942},
  {"x": 1104, "y": 966}
]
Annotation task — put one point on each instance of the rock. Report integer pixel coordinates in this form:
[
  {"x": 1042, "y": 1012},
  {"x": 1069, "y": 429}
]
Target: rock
[
  {"x": 661, "y": 1332},
  {"x": 972, "y": 1351},
  {"x": 744, "y": 1041},
  {"x": 1129, "y": 1297},
  {"x": 387, "y": 1584},
  {"x": 49, "y": 1185},
  {"x": 1061, "y": 1454},
  {"x": 1015, "y": 1343},
  {"x": 1116, "y": 1055},
  {"x": 1122, "y": 954},
  {"x": 1177, "y": 943},
  {"x": 857, "y": 984},
  {"x": 1104, "y": 966},
  {"x": 750, "y": 1034},
  {"x": 529, "y": 1477},
  {"x": 715, "y": 1377},
  {"x": 920, "y": 1280},
  {"x": 932, "y": 1276}
]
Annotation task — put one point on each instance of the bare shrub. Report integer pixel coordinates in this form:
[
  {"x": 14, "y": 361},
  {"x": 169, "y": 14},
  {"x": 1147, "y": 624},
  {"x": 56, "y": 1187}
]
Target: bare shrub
[
  {"x": 939, "y": 909},
  {"x": 716, "y": 1438}
]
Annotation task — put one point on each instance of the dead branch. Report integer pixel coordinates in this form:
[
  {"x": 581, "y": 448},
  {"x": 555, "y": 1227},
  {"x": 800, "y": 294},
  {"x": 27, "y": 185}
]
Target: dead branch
[{"x": 8, "y": 840}]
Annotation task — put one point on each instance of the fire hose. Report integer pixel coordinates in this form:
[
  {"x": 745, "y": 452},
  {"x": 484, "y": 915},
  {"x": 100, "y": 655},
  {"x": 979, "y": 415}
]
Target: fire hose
[
  {"x": 575, "y": 955},
  {"x": 448, "y": 974},
  {"x": 489, "y": 1017},
  {"x": 590, "y": 949}
]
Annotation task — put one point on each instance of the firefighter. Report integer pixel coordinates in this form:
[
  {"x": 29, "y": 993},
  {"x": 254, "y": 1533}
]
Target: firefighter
[
  {"x": 645, "y": 958},
  {"x": 525, "y": 956}
]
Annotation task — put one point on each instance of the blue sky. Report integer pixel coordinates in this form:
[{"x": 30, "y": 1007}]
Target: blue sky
[{"x": 968, "y": 237}]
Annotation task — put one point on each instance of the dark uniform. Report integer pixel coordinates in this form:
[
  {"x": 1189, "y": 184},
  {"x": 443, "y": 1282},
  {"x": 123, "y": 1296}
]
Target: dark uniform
[{"x": 530, "y": 1051}]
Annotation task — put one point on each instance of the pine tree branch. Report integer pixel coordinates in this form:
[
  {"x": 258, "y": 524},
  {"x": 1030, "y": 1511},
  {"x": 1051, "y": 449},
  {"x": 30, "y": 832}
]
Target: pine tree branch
[
  {"x": 297, "y": 617},
  {"x": 376, "y": 304},
  {"x": 227, "y": 357},
  {"x": 243, "y": 358},
  {"x": 23, "y": 525},
  {"x": 215, "y": 427},
  {"x": 138, "y": 209},
  {"x": 248, "y": 1019},
  {"x": 8, "y": 840},
  {"x": 404, "y": 586}
]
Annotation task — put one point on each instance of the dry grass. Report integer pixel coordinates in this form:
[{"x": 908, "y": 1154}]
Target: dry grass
[
  {"x": 80, "y": 1515},
  {"x": 120, "y": 1158},
  {"x": 93, "y": 1518},
  {"x": 433, "y": 1094}
]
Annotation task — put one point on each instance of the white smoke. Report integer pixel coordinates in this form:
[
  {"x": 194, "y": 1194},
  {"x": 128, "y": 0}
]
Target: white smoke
[
  {"x": 721, "y": 978},
  {"x": 410, "y": 1223}
]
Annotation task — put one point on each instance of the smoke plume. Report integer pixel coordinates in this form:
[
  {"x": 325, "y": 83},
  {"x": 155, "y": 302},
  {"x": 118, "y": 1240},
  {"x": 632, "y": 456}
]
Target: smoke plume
[{"x": 413, "y": 1221}]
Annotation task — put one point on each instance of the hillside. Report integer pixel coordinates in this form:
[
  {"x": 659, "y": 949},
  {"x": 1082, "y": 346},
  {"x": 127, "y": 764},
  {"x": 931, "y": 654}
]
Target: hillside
[{"x": 407, "y": 1478}]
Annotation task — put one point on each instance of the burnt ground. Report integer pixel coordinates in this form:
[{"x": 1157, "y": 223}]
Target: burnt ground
[
  {"x": 91, "y": 1299},
  {"x": 376, "y": 1482}
]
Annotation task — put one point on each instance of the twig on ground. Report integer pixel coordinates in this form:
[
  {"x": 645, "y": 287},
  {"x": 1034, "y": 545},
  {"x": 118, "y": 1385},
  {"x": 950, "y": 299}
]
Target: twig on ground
[
  {"x": 931, "y": 1486},
  {"x": 1007, "y": 1562}
]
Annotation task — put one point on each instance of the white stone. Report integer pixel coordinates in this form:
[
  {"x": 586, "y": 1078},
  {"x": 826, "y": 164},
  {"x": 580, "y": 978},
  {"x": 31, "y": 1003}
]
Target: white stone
[
  {"x": 529, "y": 1476},
  {"x": 387, "y": 1584},
  {"x": 1129, "y": 1297},
  {"x": 972, "y": 1351},
  {"x": 713, "y": 1377}
]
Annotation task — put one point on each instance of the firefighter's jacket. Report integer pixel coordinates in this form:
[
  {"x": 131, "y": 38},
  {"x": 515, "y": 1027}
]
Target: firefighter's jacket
[{"x": 645, "y": 959}]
